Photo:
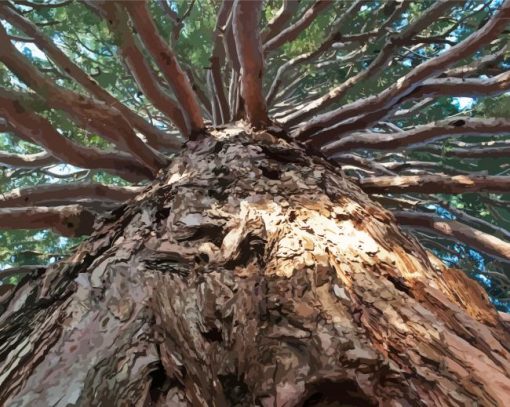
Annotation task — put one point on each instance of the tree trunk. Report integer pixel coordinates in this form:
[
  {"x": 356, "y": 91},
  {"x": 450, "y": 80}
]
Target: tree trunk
[{"x": 250, "y": 274}]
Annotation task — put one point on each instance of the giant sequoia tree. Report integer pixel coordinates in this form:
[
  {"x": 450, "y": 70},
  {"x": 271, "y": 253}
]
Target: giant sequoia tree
[{"x": 267, "y": 191}]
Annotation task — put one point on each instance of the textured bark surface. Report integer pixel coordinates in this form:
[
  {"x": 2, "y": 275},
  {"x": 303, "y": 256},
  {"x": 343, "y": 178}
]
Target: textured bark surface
[{"x": 248, "y": 274}]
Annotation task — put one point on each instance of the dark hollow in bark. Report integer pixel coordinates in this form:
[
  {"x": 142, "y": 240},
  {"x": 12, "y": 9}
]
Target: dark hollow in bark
[{"x": 250, "y": 274}]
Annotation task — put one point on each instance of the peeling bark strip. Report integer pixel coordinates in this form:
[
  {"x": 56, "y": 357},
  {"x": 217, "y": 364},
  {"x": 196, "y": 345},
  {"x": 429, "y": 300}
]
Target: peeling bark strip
[
  {"x": 246, "y": 18},
  {"x": 251, "y": 274}
]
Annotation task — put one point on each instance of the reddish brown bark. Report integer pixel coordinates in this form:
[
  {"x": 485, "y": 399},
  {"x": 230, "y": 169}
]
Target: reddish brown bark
[
  {"x": 166, "y": 61},
  {"x": 292, "y": 32},
  {"x": 404, "y": 86},
  {"x": 69, "y": 220},
  {"x": 246, "y": 17},
  {"x": 45, "y": 194},
  {"x": 139, "y": 66},
  {"x": 41, "y": 132},
  {"x": 251, "y": 274},
  {"x": 154, "y": 136},
  {"x": 434, "y": 184},
  {"x": 455, "y": 230}
]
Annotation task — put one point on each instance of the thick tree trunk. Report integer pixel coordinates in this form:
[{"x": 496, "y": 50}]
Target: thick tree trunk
[{"x": 250, "y": 273}]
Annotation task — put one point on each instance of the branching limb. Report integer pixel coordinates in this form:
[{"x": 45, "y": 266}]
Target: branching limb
[
  {"x": 246, "y": 17},
  {"x": 130, "y": 52},
  {"x": 292, "y": 32},
  {"x": 70, "y": 220},
  {"x": 27, "y": 160},
  {"x": 308, "y": 56},
  {"x": 154, "y": 136},
  {"x": 430, "y": 89},
  {"x": 87, "y": 112},
  {"x": 480, "y": 66},
  {"x": 41, "y": 132},
  {"x": 280, "y": 20},
  {"x": 455, "y": 127},
  {"x": 45, "y": 194},
  {"x": 471, "y": 150},
  {"x": 383, "y": 58},
  {"x": 22, "y": 270},
  {"x": 218, "y": 54},
  {"x": 178, "y": 21},
  {"x": 166, "y": 62},
  {"x": 457, "y": 231},
  {"x": 435, "y": 184},
  {"x": 393, "y": 95}
]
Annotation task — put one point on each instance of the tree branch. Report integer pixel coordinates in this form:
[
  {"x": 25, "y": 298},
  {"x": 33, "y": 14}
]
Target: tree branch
[
  {"x": 27, "y": 160},
  {"x": 70, "y": 220},
  {"x": 300, "y": 59},
  {"x": 292, "y": 32},
  {"x": 46, "y": 194},
  {"x": 454, "y": 127},
  {"x": 154, "y": 136},
  {"x": 481, "y": 150},
  {"x": 28, "y": 269},
  {"x": 393, "y": 41},
  {"x": 218, "y": 54},
  {"x": 280, "y": 20},
  {"x": 136, "y": 62},
  {"x": 166, "y": 62},
  {"x": 87, "y": 112},
  {"x": 246, "y": 17},
  {"x": 457, "y": 231},
  {"x": 435, "y": 184},
  {"x": 41, "y": 132},
  {"x": 394, "y": 94}
]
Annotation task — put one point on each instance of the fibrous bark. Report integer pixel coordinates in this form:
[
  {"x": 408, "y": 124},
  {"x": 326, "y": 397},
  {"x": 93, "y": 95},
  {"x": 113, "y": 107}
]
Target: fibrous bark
[{"x": 251, "y": 273}]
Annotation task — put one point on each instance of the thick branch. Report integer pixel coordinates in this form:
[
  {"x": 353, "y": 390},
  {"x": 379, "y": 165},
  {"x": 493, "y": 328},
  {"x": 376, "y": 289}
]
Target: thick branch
[
  {"x": 87, "y": 112},
  {"x": 292, "y": 32},
  {"x": 383, "y": 58},
  {"x": 41, "y": 132},
  {"x": 70, "y": 220},
  {"x": 431, "y": 88},
  {"x": 435, "y": 184},
  {"x": 154, "y": 136},
  {"x": 166, "y": 62},
  {"x": 137, "y": 64},
  {"x": 457, "y": 231},
  {"x": 45, "y": 194},
  {"x": 246, "y": 17},
  {"x": 27, "y": 160},
  {"x": 408, "y": 83},
  {"x": 478, "y": 67},
  {"x": 455, "y": 127}
]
